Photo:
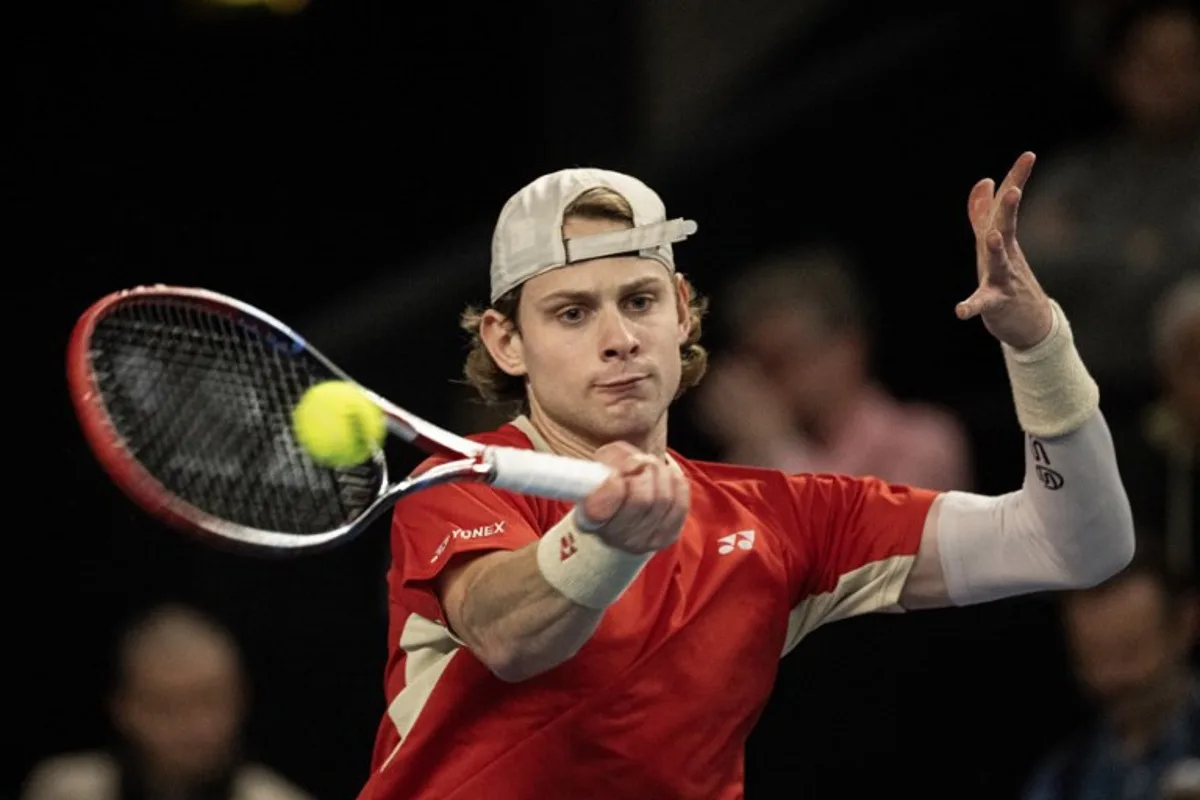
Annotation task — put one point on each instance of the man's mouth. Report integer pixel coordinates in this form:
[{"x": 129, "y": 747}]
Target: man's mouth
[{"x": 621, "y": 383}]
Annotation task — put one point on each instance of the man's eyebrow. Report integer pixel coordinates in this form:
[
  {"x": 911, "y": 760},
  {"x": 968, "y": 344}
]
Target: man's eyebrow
[{"x": 584, "y": 296}]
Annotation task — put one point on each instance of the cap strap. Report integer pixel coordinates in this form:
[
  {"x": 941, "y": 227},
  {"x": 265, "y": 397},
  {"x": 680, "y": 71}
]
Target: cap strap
[{"x": 629, "y": 240}]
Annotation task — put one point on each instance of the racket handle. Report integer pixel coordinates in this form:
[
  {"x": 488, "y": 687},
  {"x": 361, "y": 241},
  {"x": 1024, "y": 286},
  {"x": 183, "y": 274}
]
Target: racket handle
[{"x": 544, "y": 474}]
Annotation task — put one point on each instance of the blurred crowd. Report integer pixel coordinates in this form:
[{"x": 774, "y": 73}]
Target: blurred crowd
[{"x": 1111, "y": 226}]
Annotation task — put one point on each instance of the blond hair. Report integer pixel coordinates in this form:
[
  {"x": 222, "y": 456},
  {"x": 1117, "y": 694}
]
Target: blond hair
[{"x": 497, "y": 388}]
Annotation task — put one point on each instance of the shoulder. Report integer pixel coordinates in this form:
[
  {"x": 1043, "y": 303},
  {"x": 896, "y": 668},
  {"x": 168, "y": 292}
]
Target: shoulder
[
  {"x": 257, "y": 782},
  {"x": 84, "y": 774},
  {"x": 762, "y": 490},
  {"x": 466, "y": 500},
  {"x": 506, "y": 435},
  {"x": 768, "y": 484},
  {"x": 734, "y": 478}
]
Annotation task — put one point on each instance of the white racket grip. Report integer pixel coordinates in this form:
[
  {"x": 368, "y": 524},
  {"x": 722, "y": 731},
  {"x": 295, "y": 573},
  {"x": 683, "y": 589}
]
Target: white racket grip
[{"x": 544, "y": 474}]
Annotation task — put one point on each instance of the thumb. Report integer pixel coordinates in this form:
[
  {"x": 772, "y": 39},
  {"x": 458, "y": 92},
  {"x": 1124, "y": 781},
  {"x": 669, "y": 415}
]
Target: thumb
[
  {"x": 602, "y": 504},
  {"x": 973, "y": 306}
]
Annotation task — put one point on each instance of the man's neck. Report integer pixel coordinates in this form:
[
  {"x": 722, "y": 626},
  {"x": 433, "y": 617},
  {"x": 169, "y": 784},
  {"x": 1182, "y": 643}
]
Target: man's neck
[{"x": 559, "y": 439}]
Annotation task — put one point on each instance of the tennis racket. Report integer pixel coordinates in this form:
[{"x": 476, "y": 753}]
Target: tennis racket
[{"x": 185, "y": 396}]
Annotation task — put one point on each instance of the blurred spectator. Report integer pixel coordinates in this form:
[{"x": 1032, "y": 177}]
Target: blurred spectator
[
  {"x": 1111, "y": 223},
  {"x": 1131, "y": 639},
  {"x": 178, "y": 709},
  {"x": 1159, "y": 449},
  {"x": 796, "y": 393}
]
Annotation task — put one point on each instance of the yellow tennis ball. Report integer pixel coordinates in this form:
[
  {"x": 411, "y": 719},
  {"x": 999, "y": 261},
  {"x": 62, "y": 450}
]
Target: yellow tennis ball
[{"x": 338, "y": 425}]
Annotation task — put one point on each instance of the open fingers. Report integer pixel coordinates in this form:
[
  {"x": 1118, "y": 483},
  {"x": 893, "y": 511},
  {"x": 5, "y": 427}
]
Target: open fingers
[
  {"x": 979, "y": 205},
  {"x": 987, "y": 203},
  {"x": 997, "y": 269},
  {"x": 1019, "y": 173},
  {"x": 1006, "y": 214},
  {"x": 1016, "y": 178},
  {"x": 995, "y": 273}
]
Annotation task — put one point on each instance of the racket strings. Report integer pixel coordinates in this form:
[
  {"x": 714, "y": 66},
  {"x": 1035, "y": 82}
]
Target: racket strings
[{"x": 204, "y": 403}]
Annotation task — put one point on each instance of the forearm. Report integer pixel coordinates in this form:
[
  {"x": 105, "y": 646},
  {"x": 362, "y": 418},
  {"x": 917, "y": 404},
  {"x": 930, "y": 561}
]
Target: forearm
[
  {"x": 526, "y": 611},
  {"x": 1069, "y": 525},
  {"x": 515, "y": 621}
]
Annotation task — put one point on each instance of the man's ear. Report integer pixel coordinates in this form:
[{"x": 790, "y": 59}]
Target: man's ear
[
  {"x": 683, "y": 307},
  {"x": 503, "y": 342}
]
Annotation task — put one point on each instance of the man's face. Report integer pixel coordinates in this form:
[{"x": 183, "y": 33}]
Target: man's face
[
  {"x": 600, "y": 342},
  {"x": 1126, "y": 645},
  {"x": 181, "y": 708}
]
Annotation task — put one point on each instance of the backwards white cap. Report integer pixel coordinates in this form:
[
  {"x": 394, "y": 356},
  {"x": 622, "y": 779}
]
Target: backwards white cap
[{"x": 528, "y": 239}]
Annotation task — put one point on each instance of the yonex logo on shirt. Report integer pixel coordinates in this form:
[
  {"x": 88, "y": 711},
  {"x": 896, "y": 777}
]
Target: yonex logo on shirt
[
  {"x": 742, "y": 540},
  {"x": 480, "y": 532},
  {"x": 441, "y": 548}
]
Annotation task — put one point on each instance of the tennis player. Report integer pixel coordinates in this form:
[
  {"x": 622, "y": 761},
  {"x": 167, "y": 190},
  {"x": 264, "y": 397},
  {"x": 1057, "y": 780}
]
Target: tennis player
[{"x": 624, "y": 647}]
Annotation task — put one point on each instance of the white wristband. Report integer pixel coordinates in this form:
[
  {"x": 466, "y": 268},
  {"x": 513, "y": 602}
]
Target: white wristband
[
  {"x": 1052, "y": 390},
  {"x": 583, "y": 567}
]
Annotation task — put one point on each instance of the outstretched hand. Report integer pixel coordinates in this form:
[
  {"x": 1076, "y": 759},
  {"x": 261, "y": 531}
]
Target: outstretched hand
[{"x": 1014, "y": 307}]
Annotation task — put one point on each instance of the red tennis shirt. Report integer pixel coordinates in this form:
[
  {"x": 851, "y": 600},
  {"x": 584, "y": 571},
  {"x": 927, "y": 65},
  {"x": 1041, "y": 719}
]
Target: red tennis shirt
[{"x": 660, "y": 701}]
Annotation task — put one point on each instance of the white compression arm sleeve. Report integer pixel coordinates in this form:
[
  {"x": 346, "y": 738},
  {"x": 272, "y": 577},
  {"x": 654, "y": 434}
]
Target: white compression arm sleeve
[
  {"x": 1070, "y": 524},
  {"x": 1068, "y": 527}
]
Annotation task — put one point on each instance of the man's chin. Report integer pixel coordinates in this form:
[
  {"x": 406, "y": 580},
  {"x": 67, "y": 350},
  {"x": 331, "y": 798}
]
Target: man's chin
[{"x": 629, "y": 420}]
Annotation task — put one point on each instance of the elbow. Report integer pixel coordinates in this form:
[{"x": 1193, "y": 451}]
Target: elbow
[
  {"x": 515, "y": 664},
  {"x": 514, "y": 672},
  {"x": 514, "y": 669},
  {"x": 1111, "y": 540},
  {"x": 1124, "y": 543}
]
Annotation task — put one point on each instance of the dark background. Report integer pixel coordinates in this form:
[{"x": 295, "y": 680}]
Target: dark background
[{"x": 341, "y": 168}]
